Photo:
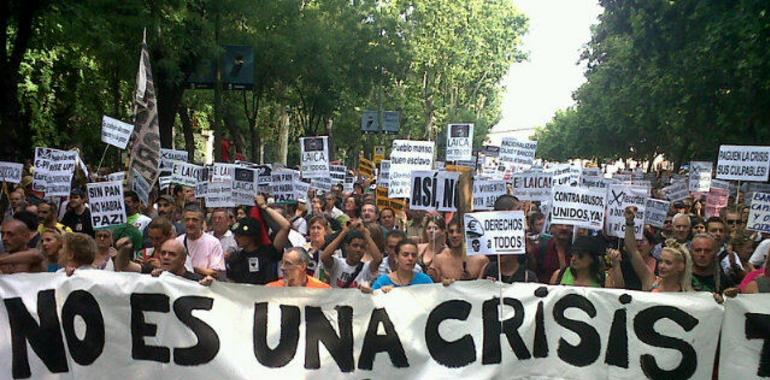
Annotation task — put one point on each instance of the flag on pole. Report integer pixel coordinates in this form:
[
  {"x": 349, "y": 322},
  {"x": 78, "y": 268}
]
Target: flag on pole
[{"x": 145, "y": 152}]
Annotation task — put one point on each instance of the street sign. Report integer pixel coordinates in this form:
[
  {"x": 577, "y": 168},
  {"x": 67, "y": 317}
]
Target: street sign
[{"x": 370, "y": 122}]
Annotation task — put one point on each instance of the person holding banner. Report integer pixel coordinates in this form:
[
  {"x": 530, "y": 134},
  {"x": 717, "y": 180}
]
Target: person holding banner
[
  {"x": 433, "y": 240},
  {"x": 319, "y": 231},
  {"x": 16, "y": 235},
  {"x": 294, "y": 266},
  {"x": 351, "y": 271},
  {"x": 551, "y": 253},
  {"x": 404, "y": 275},
  {"x": 586, "y": 265},
  {"x": 171, "y": 258},
  {"x": 51, "y": 242},
  {"x": 707, "y": 275},
  {"x": 760, "y": 284}
]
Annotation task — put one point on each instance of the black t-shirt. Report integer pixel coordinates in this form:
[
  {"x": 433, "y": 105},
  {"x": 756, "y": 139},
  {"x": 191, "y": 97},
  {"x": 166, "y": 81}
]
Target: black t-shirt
[
  {"x": 521, "y": 275},
  {"x": 631, "y": 280},
  {"x": 708, "y": 283},
  {"x": 192, "y": 276},
  {"x": 258, "y": 268},
  {"x": 79, "y": 223}
]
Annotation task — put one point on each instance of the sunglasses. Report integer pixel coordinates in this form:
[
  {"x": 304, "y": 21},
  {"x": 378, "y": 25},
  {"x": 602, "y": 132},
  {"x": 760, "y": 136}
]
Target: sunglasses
[{"x": 738, "y": 222}]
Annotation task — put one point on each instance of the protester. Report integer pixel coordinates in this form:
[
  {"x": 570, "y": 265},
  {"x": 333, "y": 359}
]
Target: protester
[
  {"x": 47, "y": 217},
  {"x": 706, "y": 273},
  {"x": 636, "y": 261},
  {"x": 297, "y": 219},
  {"x": 135, "y": 218},
  {"x": 760, "y": 283},
  {"x": 351, "y": 271},
  {"x": 78, "y": 252},
  {"x": 404, "y": 275},
  {"x": 433, "y": 240},
  {"x": 319, "y": 231},
  {"x": 294, "y": 266},
  {"x": 586, "y": 265},
  {"x": 171, "y": 256},
  {"x": 18, "y": 257},
  {"x": 254, "y": 262},
  {"x": 453, "y": 263},
  {"x": 105, "y": 252},
  {"x": 78, "y": 216},
  {"x": 51, "y": 243},
  {"x": 759, "y": 256},
  {"x": 220, "y": 228},
  {"x": 552, "y": 252},
  {"x": 204, "y": 252},
  {"x": 159, "y": 230}
]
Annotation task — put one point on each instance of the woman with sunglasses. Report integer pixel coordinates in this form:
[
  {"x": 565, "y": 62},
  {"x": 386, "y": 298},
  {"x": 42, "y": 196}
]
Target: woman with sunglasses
[{"x": 586, "y": 266}]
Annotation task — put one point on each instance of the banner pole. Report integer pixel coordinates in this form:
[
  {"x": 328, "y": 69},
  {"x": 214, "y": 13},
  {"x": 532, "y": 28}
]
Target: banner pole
[
  {"x": 738, "y": 192},
  {"x": 102, "y": 160}
]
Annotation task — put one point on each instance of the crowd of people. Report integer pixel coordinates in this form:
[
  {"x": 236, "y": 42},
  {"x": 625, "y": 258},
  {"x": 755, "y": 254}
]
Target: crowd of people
[{"x": 344, "y": 240}]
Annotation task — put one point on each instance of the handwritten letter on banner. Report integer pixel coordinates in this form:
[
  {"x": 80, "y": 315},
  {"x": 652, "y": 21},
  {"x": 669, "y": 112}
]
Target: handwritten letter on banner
[{"x": 124, "y": 324}]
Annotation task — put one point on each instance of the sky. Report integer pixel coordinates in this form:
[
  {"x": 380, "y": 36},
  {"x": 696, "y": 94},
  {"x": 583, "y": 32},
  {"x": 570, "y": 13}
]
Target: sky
[{"x": 536, "y": 88}]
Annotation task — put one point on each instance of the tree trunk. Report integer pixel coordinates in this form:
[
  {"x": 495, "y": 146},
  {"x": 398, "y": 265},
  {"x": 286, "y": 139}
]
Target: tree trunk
[
  {"x": 283, "y": 135},
  {"x": 168, "y": 98},
  {"x": 185, "y": 116},
  {"x": 328, "y": 124}
]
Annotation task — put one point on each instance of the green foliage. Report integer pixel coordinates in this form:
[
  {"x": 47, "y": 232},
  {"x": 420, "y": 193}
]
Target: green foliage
[{"x": 678, "y": 78}]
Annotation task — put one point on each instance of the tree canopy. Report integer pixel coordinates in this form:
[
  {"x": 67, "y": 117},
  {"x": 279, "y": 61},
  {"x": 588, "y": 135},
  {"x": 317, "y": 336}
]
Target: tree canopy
[
  {"x": 318, "y": 65},
  {"x": 668, "y": 77}
]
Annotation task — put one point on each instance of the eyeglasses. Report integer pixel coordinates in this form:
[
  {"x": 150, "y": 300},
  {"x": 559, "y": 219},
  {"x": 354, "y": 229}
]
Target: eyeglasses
[{"x": 735, "y": 221}]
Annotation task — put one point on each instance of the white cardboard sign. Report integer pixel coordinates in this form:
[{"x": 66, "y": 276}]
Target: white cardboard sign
[
  {"x": 407, "y": 156},
  {"x": 116, "y": 132},
  {"x": 495, "y": 233},
  {"x": 578, "y": 207},
  {"x": 105, "y": 200},
  {"x": 743, "y": 163},
  {"x": 459, "y": 142}
]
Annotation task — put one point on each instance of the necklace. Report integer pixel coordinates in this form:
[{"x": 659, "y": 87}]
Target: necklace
[{"x": 401, "y": 282}]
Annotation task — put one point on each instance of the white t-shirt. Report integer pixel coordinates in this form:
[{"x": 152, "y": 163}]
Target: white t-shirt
[
  {"x": 205, "y": 252},
  {"x": 228, "y": 242},
  {"x": 760, "y": 253},
  {"x": 340, "y": 273},
  {"x": 300, "y": 225},
  {"x": 141, "y": 222}
]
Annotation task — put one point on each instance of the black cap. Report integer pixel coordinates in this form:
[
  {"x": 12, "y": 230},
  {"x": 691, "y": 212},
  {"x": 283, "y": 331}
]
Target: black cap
[
  {"x": 679, "y": 204},
  {"x": 592, "y": 245},
  {"x": 247, "y": 227},
  {"x": 77, "y": 191}
]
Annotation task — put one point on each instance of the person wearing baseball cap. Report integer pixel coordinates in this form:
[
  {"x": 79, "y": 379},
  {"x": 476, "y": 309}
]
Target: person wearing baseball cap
[
  {"x": 586, "y": 267},
  {"x": 253, "y": 262}
]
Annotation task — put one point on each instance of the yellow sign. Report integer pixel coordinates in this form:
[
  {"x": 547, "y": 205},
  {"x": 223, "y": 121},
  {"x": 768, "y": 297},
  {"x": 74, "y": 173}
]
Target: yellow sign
[
  {"x": 365, "y": 167},
  {"x": 398, "y": 205},
  {"x": 379, "y": 154}
]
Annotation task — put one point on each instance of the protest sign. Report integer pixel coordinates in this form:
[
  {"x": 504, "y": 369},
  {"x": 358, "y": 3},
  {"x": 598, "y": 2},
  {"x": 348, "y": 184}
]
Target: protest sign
[
  {"x": 222, "y": 172},
  {"x": 145, "y": 149},
  {"x": 578, "y": 207},
  {"x": 677, "y": 191},
  {"x": 560, "y": 174},
  {"x": 105, "y": 200},
  {"x": 140, "y": 185},
  {"x": 348, "y": 185},
  {"x": 202, "y": 189},
  {"x": 58, "y": 172},
  {"x": 405, "y": 157},
  {"x": 459, "y": 142},
  {"x": 337, "y": 173},
  {"x": 282, "y": 184},
  {"x": 532, "y": 186},
  {"x": 620, "y": 196},
  {"x": 655, "y": 212},
  {"x": 264, "y": 177},
  {"x": 521, "y": 154},
  {"x": 398, "y": 205},
  {"x": 315, "y": 157},
  {"x": 168, "y": 156},
  {"x": 366, "y": 167},
  {"x": 11, "y": 172},
  {"x": 745, "y": 352},
  {"x": 383, "y": 174},
  {"x": 117, "y": 176},
  {"x": 379, "y": 154},
  {"x": 743, "y": 163},
  {"x": 495, "y": 233},
  {"x": 486, "y": 192},
  {"x": 300, "y": 190},
  {"x": 186, "y": 174},
  {"x": 244, "y": 186},
  {"x": 759, "y": 213},
  {"x": 716, "y": 200},
  {"x": 164, "y": 182},
  {"x": 434, "y": 190},
  {"x": 183, "y": 330},
  {"x": 116, "y": 132},
  {"x": 40, "y": 174},
  {"x": 324, "y": 185},
  {"x": 220, "y": 194},
  {"x": 700, "y": 176}
]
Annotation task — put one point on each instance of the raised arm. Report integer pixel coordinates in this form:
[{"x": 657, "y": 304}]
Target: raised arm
[
  {"x": 284, "y": 226},
  {"x": 374, "y": 250},
  {"x": 122, "y": 261},
  {"x": 641, "y": 269},
  {"x": 326, "y": 255},
  {"x": 29, "y": 257}
]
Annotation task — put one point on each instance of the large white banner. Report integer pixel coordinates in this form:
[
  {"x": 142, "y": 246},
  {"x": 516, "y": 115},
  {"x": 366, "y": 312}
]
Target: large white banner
[
  {"x": 315, "y": 157},
  {"x": 743, "y": 163},
  {"x": 579, "y": 207},
  {"x": 106, "y": 204},
  {"x": 124, "y": 326},
  {"x": 405, "y": 157},
  {"x": 745, "y": 352},
  {"x": 459, "y": 142},
  {"x": 495, "y": 233},
  {"x": 116, "y": 132}
]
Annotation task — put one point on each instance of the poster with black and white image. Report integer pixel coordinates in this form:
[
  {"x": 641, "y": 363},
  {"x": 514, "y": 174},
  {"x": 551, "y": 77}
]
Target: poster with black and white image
[
  {"x": 459, "y": 144},
  {"x": 106, "y": 203},
  {"x": 495, "y": 233},
  {"x": 383, "y": 174},
  {"x": 221, "y": 172},
  {"x": 244, "y": 186},
  {"x": 619, "y": 196},
  {"x": 759, "y": 213},
  {"x": 677, "y": 191},
  {"x": 337, "y": 173},
  {"x": 314, "y": 161}
]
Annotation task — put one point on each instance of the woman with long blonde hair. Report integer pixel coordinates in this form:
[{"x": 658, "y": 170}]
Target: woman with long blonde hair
[{"x": 674, "y": 269}]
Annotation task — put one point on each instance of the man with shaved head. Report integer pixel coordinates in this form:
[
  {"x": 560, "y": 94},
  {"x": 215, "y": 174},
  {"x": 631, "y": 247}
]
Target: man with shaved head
[
  {"x": 17, "y": 257},
  {"x": 171, "y": 256}
]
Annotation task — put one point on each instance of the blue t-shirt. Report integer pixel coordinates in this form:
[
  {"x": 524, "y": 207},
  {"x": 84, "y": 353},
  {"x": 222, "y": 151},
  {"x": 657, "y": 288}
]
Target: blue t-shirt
[{"x": 417, "y": 279}]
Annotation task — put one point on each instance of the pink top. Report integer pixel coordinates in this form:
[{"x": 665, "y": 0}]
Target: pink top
[
  {"x": 204, "y": 252},
  {"x": 751, "y": 276}
]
